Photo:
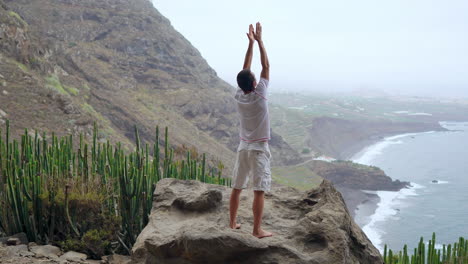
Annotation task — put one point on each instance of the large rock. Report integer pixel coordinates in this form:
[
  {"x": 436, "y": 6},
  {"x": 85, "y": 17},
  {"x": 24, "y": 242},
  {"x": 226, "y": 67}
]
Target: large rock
[
  {"x": 20, "y": 237},
  {"x": 188, "y": 224},
  {"x": 73, "y": 256},
  {"x": 47, "y": 251},
  {"x": 12, "y": 251}
]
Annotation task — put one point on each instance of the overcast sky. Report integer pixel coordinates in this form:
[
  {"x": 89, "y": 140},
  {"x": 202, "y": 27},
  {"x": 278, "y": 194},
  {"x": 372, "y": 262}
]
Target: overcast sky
[{"x": 415, "y": 47}]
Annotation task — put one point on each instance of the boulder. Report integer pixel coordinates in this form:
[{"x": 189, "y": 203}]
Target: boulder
[
  {"x": 116, "y": 259},
  {"x": 12, "y": 251},
  {"x": 189, "y": 224},
  {"x": 73, "y": 256},
  {"x": 47, "y": 251},
  {"x": 15, "y": 239}
]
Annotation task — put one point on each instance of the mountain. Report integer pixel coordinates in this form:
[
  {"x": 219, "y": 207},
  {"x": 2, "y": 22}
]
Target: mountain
[{"x": 66, "y": 64}]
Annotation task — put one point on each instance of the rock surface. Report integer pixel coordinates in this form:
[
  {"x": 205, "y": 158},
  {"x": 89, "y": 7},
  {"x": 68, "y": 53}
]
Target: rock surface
[
  {"x": 47, "y": 251},
  {"x": 73, "y": 256},
  {"x": 48, "y": 254},
  {"x": 309, "y": 227}
]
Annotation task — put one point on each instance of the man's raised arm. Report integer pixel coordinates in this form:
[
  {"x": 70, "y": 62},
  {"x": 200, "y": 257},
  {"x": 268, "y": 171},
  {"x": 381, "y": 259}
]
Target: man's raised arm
[
  {"x": 263, "y": 56},
  {"x": 248, "y": 55}
]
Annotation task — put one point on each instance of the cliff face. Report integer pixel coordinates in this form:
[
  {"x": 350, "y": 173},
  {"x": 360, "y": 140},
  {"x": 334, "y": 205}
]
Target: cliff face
[
  {"x": 342, "y": 138},
  {"x": 67, "y": 63},
  {"x": 355, "y": 176},
  {"x": 352, "y": 178},
  {"x": 189, "y": 224}
]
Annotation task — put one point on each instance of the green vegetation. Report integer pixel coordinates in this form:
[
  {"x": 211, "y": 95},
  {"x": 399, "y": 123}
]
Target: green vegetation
[
  {"x": 53, "y": 82},
  {"x": 305, "y": 151},
  {"x": 456, "y": 254},
  {"x": 358, "y": 166},
  {"x": 86, "y": 86},
  {"x": 92, "y": 199},
  {"x": 71, "y": 90},
  {"x": 291, "y": 125},
  {"x": 17, "y": 17},
  {"x": 21, "y": 66},
  {"x": 349, "y": 107},
  {"x": 299, "y": 177}
]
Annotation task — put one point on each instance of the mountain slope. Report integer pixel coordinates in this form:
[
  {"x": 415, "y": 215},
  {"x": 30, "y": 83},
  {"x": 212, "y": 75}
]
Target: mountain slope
[{"x": 120, "y": 63}]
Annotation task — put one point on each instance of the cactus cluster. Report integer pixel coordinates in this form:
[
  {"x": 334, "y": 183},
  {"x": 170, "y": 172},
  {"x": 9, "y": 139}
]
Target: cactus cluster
[
  {"x": 456, "y": 254},
  {"x": 41, "y": 177}
]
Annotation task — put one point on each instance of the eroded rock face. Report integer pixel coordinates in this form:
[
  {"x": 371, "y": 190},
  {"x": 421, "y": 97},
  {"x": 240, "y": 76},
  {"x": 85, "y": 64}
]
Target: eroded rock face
[{"x": 309, "y": 227}]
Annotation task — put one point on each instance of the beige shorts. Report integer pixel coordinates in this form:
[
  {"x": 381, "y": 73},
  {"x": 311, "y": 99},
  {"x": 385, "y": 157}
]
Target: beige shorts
[{"x": 253, "y": 164}]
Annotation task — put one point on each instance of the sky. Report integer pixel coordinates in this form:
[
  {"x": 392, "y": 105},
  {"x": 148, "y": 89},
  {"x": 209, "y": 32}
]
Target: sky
[{"x": 401, "y": 47}]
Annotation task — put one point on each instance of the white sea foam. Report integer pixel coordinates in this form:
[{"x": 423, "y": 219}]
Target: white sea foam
[
  {"x": 420, "y": 114},
  {"x": 368, "y": 154},
  {"x": 325, "y": 158},
  {"x": 439, "y": 182},
  {"x": 388, "y": 207}
]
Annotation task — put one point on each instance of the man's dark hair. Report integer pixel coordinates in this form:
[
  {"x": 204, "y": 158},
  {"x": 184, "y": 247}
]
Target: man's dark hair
[{"x": 245, "y": 80}]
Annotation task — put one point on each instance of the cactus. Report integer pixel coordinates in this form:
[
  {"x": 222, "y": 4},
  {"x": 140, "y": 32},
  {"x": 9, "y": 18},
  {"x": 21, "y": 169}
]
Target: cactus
[
  {"x": 34, "y": 171},
  {"x": 456, "y": 254}
]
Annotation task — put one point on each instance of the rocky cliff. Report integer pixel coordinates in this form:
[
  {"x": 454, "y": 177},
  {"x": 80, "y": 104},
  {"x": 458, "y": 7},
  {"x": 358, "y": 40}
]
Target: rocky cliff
[
  {"x": 352, "y": 178},
  {"x": 189, "y": 224},
  {"x": 342, "y": 138},
  {"x": 67, "y": 63}
]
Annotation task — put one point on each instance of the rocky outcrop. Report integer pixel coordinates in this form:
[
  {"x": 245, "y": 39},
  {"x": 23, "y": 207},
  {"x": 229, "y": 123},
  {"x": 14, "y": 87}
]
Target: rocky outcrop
[
  {"x": 355, "y": 176},
  {"x": 351, "y": 179},
  {"x": 188, "y": 224}
]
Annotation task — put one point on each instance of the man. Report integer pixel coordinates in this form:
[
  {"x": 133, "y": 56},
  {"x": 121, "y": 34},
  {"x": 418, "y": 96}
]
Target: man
[{"x": 253, "y": 153}]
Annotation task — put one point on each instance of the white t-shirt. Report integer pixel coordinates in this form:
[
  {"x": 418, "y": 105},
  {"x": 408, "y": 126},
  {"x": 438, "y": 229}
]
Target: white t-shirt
[{"x": 253, "y": 113}]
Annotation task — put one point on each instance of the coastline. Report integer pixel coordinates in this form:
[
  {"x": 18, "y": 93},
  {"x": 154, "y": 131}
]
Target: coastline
[
  {"x": 362, "y": 207},
  {"x": 371, "y": 211},
  {"x": 342, "y": 139}
]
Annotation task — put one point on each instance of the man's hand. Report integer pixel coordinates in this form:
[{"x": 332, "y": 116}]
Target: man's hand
[
  {"x": 249, "y": 54},
  {"x": 251, "y": 34},
  {"x": 263, "y": 56},
  {"x": 258, "y": 32}
]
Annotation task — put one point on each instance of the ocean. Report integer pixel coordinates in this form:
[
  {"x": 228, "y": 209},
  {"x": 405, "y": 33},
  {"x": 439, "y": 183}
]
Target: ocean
[{"x": 436, "y": 164}]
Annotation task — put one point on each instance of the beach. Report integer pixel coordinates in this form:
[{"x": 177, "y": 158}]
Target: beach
[{"x": 397, "y": 155}]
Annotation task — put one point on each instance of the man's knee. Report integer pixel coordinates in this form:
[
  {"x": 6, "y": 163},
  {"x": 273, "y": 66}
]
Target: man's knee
[
  {"x": 259, "y": 192},
  {"x": 236, "y": 191}
]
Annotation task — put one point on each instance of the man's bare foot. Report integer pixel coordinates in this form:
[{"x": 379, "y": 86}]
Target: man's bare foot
[
  {"x": 236, "y": 226},
  {"x": 262, "y": 234}
]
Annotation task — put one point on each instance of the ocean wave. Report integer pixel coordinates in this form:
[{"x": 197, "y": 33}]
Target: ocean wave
[
  {"x": 388, "y": 207},
  {"x": 454, "y": 126},
  {"x": 367, "y": 155},
  {"x": 439, "y": 182}
]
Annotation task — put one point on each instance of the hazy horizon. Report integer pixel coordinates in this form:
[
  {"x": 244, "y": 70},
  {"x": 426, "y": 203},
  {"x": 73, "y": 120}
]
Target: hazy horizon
[{"x": 399, "y": 47}]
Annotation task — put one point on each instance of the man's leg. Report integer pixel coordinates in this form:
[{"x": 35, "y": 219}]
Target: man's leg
[
  {"x": 257, "y": 208},
  {"x": 233, "y": 206}
]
